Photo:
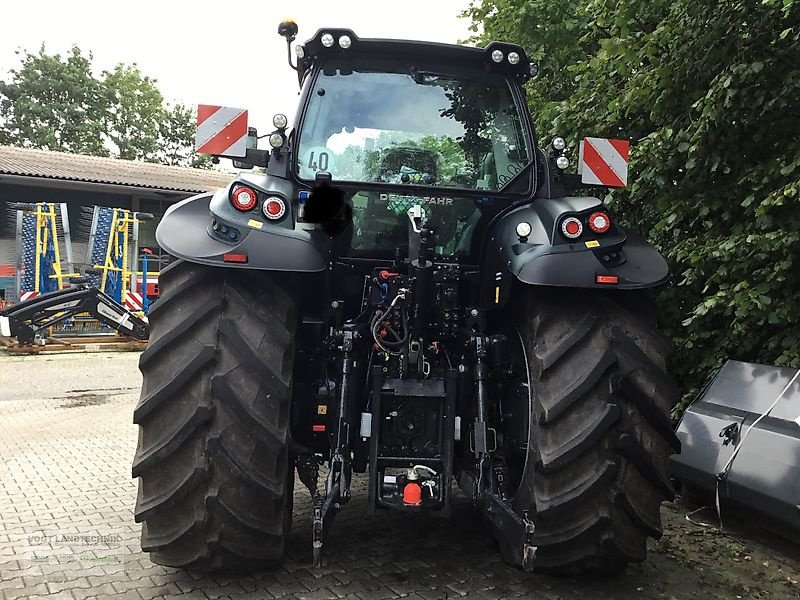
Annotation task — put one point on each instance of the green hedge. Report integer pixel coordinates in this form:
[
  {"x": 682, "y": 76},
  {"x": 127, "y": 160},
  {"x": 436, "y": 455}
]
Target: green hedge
[{"x": 708, "y": 92}]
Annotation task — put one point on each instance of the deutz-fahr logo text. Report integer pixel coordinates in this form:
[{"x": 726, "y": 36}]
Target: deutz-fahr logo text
[{"x": 430, "y": 200}]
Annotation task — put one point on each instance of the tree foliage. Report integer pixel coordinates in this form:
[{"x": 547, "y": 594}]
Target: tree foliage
[
  {"x": 134, "y": 111},
  {"x": 176, "y": 139},
  {"x": 56, "y": 102},
  {"x": 707, "y": 91}
]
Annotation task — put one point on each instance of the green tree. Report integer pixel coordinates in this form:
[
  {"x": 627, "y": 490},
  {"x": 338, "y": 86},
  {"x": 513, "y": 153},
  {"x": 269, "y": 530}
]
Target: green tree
[
  {"x": 54, "y": 103},
  {"x": 134, "y": 112},
  {"x": 176, "y": 139},
  {"x": 707, "y": 93}
]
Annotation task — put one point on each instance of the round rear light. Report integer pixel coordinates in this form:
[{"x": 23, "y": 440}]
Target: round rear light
[
  {"x": 571, "y": 228},
  {"x": 599, "y": 222},
  {"x": 244, "y": 198},
  {"x": 274, "y": 208}
]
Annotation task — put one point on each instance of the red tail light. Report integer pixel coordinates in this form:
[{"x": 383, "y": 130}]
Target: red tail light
[
  {"x": 599, "y": 222},
  {"x": 274, "y": 208},
  {"x": 244, "y": 198},
  {"x": 571, "y": 228}
]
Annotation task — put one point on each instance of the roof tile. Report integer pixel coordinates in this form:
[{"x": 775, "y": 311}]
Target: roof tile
[{"x": 95, "y": 169}]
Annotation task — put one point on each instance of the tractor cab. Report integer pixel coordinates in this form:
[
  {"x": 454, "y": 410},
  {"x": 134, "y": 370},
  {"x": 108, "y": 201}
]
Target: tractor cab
[{"x": 396, "y": 124}]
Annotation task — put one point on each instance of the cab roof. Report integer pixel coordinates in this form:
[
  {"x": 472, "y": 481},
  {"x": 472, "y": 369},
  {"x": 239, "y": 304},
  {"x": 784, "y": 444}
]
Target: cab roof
[{"x": 467, "y": 56}]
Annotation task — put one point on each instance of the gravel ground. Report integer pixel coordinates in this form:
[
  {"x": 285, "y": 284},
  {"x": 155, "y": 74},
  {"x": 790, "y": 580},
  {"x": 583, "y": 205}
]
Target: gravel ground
[{"x": 67, "y": 530}]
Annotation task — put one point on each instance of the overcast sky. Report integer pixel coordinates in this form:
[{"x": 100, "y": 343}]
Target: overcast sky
[{"x": 224, "y": 52}]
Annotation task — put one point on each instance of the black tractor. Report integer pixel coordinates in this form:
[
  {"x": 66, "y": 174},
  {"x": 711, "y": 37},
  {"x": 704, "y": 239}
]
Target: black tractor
[{"x": 407, "y": 291}]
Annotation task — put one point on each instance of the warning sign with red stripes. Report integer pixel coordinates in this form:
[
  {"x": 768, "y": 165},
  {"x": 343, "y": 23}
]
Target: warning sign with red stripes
[
  {"x": 604, "y": 162},
  {"x": 23, "y": 296},
  {"x": 221, "y": 130},
  {"x": 133, "y": 301}
]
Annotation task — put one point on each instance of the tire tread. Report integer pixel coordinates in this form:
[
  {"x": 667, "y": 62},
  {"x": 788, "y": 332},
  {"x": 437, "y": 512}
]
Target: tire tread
[
  {"x": 601, "y": 433},
  {"x": 213, "y": 458}
]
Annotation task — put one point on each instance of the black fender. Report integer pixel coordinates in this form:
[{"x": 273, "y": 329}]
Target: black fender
[
  {"x": 616, "y": 259},
  {"x": 185, "y": 231}
]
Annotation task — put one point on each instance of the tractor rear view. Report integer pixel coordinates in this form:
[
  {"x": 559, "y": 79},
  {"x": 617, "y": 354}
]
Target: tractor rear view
[{"x": 410, "y": 292}]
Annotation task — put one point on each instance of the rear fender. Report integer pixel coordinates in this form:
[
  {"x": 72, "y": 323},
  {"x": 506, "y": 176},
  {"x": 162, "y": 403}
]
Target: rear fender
[
  {"x": 547, "y": 258},
  {"x": 186, "y": 231}
]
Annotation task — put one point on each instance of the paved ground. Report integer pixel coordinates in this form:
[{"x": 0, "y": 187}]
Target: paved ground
[{"x": 67, "y": 530}]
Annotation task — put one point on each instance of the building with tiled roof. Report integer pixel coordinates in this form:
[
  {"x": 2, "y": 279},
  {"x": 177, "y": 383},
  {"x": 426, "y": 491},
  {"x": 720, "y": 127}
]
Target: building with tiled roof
[
  {"x": 19, "y": 165},
  {"x": 79, "y": 181}
]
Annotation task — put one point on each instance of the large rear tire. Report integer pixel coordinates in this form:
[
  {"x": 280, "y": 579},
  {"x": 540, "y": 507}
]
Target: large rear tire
[
  {"x": 600, "y": 431},
  {"x": 216, "y": 481}
]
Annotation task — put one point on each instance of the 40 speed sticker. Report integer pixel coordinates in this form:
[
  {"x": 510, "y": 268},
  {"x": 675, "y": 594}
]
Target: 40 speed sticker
[{"x": 316, "y": 160}]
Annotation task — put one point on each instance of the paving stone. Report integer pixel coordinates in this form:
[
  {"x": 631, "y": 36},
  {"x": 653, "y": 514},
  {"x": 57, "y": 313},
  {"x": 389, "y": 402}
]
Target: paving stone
[
  {"x": 63, "y": 595},
  {"x": 58, "y": 586},
  {"x": 379, "y": 594},
  {"x": 157, "y": 591},
  {"x": 25, "y": 592},
  {"x": 98, "y": 591},
  {"x": 66, "y": 470},
  {"x": 13, "y": 583},
  {"x": 220, "y": 591}
]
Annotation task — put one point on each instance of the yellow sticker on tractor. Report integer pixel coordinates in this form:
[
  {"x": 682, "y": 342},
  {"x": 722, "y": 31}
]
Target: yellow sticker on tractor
[
  {"x": 592, "y": 244},
  {"x": 257, "y": 224},
  {"x": 322, "y": 409}
]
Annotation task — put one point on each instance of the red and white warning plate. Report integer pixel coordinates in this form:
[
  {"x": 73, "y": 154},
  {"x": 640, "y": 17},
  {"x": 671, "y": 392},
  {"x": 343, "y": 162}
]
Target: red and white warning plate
[
  {"x": 221, "y": 130},
  {"x": 604, "y": 162},
  {"x": 27, "y": 296},
  {"x": 133, "y": 301}
]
